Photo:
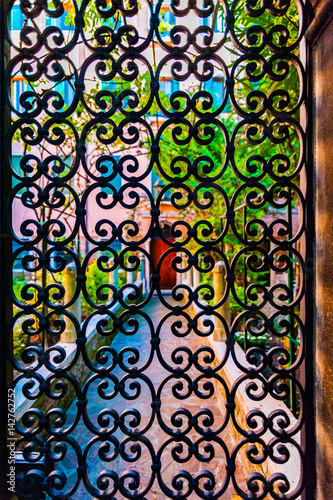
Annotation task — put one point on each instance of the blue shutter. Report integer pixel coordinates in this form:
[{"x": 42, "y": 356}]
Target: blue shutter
[
  {"x": 59, "y": 22},
  {"x": 115, "y": 86},
  {"x": 208, "y": 21},
  {"x": 116, "y": 182},
  {"x": 66, "y": 90},
  {"x": 69, "y": 93},
  {"x": 219, "y": 24},
  {"x": 19, "y": 87},
  {"x": 217, "y": 92},
  {"x": 208, "y": 86},
  {"x": 166, "y": 87},
  {"x": 168, "y": 18},
  {"x": 16, "y": 168},
  {"x": 16, "y": 18},
  {"x": 174, "y": 86},
  {"x": 171, "y": 18},
  {"x": 215, "y": 87}
]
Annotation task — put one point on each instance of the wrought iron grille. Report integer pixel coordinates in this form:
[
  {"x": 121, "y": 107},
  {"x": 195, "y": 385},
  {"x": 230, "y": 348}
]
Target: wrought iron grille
[{"x": 156, "y": 276}]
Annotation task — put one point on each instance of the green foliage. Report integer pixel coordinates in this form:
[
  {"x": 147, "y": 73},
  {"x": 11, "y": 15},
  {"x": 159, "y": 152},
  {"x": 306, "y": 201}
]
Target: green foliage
[
  {"x": 95, "y": 278},
  {"x": 19, "y": 280},
  {"x": 207, "y": 149},
  {"x": 263, "y": 156},
  {"x": 19, "y": 339}
]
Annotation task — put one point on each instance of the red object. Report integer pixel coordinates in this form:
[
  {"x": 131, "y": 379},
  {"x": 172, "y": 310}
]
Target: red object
[{"x": 168, "y": 275}]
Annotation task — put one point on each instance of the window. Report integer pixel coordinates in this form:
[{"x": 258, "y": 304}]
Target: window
[
  {"x": 17, "y": 264},
  {"x": 62, "y": 22},
  {"x": 66, "y": 90},
  {"x": 16, "y": 159},
  {"x": 18, "y": 87},
  {"x": 215, "y": 87},
  {"x": 115, "y": 245},
  {"x": 208, "y": 21},
  {"x": 116, "y": 86},
  {"x": 17, "y": 18},
  {"x": 167, "y": 87},
  {"x": 116, "y": 182},
  {"x": 168, "y": 21},
  {"x": 115, "y": 22}
]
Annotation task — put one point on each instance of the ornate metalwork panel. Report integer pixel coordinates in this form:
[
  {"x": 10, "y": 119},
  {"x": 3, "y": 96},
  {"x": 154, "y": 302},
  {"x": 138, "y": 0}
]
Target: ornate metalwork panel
[{"x": 156, "y": 276}]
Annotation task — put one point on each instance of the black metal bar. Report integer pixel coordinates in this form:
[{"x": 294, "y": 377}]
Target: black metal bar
[
  {"x": 245, "y": 275},
  {"x": 310, "y": 474},
  {"x": 44, "y": 308},
  {"x": 292, "y": 388}
]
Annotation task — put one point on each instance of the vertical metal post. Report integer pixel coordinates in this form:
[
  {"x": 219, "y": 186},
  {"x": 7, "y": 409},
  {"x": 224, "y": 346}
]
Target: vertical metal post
[
  {"x": 44, "y": 308},
  {"x": 292, "y": 388},
  {"x": 309, "y": 436}
]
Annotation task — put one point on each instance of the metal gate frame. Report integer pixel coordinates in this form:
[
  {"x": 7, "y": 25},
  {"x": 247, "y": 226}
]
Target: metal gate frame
[{"x": 5, "y": 250}]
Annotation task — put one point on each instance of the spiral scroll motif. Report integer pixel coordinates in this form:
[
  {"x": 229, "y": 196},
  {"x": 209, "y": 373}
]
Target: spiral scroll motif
[{"x": 151, "y": 145}]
